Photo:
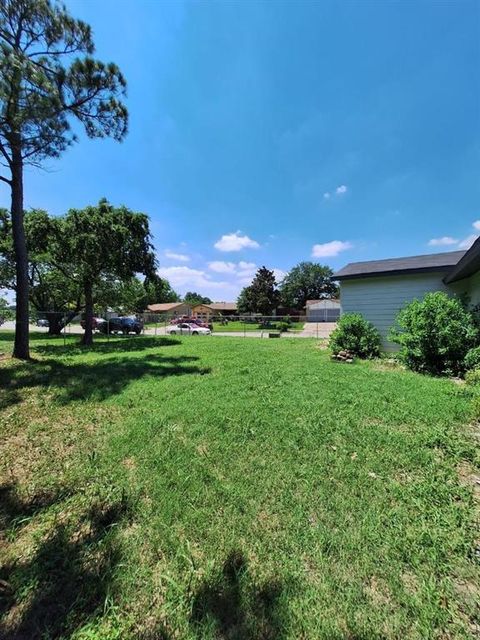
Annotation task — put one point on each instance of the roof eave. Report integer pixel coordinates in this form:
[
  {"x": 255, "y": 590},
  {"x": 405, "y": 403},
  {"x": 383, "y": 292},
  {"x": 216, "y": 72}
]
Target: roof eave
[
  {"x": 466, "y": 266},
  {"x": 392, "y": 272}
]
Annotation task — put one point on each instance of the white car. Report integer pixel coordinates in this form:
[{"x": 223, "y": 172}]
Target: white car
[{"x": 187, "y": 329}]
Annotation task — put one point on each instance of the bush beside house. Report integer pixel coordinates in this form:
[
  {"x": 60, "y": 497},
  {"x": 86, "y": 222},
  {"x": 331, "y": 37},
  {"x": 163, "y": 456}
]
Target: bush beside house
[
  {"x": 356, "y": 336},
  {"x": 435, "y": 334}
]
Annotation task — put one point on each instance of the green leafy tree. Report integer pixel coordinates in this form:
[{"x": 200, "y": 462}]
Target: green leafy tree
[
  {"x": 194, "y": 298},
  {"x": 47, "y": 78},
  {"x": 124, "y": 296},
  {"x": 5, "y": 311},
  {"x": 159, "y": 290},
  {"x": 245, "y": 303},
  {"x": 307, "y": 281},
  {"x": 53, "y": 292},
  {"x": 100, "y": 243},
  {"x": 262, "y": 296}
]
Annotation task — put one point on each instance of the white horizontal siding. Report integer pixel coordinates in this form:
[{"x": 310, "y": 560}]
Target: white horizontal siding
[{"x": 380, "y": 299}]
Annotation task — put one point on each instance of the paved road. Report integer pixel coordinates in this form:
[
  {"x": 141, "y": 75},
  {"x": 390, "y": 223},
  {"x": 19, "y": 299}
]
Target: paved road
[{"x": 311, "y": 330}]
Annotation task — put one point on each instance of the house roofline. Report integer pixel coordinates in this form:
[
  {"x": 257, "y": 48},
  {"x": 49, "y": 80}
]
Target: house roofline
[
  {"x": 391, "y": 272},
  {"x": 467, "y": 265}
]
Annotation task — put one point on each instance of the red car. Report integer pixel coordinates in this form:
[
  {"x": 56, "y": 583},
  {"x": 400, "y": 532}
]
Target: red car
[{"x": 188, "y": 320}]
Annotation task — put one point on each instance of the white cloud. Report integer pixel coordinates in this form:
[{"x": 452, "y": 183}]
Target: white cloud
[
  {"x": 326, "y": 195},
  {"x": 241, "y": 269},
  {"x": 467, "y": 242},
  {"x": 222, "y": 267},
  {"x": 181, "y": 257},
  {"x": 181, "y": 277},
  {"x": 342, "y": 189},
  {"x": 476, "y": 225},
  {"x": 246, "y": 268},
  {"x": 444, "y": 241},
  {"x": 235, "y": 242},
  {"x": 330, "y": 249},
  {"x": 279, "y": 274}
]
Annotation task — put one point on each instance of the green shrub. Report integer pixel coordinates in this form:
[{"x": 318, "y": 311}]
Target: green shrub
[
  {"x": 355, "y": 334},
  {"x": 472, "y": 359},
  {"x": 472, "y": 377},
  {"x": 283, "y": 326},
  {"x": 434, "y": 334}
]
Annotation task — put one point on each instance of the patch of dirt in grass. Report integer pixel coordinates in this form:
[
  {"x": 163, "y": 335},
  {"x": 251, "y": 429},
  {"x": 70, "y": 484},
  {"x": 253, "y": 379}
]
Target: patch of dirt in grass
[
  {"x": 39, "y": 438},
  {"x": 129, "y": 463},
  {"x": 410, "y": 582},
  {"x": 389, "y": 364},
  {"x": 267, "y": 521},
  {"x": 378, "y": 592},
  {"x": 470, "y": 477}
]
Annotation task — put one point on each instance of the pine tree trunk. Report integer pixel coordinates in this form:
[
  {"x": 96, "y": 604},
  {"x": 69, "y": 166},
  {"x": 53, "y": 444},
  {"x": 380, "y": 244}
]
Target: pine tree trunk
[
  {"x": 21, "y": 345},
  {"x": 87, "y": 338}
]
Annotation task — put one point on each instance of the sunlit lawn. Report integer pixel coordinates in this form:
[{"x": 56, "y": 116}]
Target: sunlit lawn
[{"x": 194, "y": 488}]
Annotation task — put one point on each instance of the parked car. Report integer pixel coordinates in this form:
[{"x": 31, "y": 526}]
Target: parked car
[
  {"x": 121, "y": 325},
  {"x": 42, "y": 322},
  {"x": 188, "y": 320},
  {"x": 187, "y": 329},
  {"x": 95, "y": 323}
]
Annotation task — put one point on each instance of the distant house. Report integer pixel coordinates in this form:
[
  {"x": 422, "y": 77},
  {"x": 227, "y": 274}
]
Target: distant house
[
  {"x": 206, "y": 312},
  {"x": 378, "y": 289},
  {"x": 202, "y": 312},
  {"x": 224, "y": 308},
  {"x": 171, "y": 309},
  {"x": 327, "y": 310}
]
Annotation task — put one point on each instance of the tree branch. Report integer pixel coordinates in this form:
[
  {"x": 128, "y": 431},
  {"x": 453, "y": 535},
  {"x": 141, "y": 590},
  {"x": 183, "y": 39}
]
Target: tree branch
[{"x": 3, "y": 179}]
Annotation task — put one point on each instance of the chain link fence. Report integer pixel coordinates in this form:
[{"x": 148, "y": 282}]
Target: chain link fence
[{"x": 110, "y": 324}]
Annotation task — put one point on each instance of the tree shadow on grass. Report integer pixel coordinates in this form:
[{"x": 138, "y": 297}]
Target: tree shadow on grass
[
  {"x": 67, "y": 581},
  {"x": 113, "y": 345},
  {"x": 97, "y": 380},
  {"x": 236, "y": 609},
  {"x": 16, "y": 511}
]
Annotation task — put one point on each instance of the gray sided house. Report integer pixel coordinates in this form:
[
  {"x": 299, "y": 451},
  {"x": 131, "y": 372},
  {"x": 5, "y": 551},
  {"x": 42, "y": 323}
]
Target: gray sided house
[{"x": 378, "y": 289}]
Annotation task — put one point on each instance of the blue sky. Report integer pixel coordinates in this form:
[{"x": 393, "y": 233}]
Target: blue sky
[{"x": 273, "y": 132}]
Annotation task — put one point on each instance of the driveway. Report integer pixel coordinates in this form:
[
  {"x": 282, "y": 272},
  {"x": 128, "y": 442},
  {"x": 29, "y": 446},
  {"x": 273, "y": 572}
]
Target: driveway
[{"x": 317, "y": 329}]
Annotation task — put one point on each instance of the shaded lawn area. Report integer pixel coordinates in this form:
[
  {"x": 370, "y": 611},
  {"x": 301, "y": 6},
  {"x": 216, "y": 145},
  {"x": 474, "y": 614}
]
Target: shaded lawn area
[{"x": 165, "y": 488}]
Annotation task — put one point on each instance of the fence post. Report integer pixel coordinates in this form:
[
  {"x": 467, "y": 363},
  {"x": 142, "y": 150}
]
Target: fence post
[{"x": 64, "y": 330}]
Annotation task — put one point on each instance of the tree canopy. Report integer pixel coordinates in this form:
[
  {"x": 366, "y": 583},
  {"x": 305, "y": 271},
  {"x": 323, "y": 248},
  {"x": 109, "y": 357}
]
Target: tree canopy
[
  {"x": 47, "y": 77},
  {"x": 56, "y": 289},
  {"x": 307, "y": 281},
  {"x": 262, "y": 296},
  {"x": 52, "y": 292},
  {"x": 159, "y": 290},
  {"x": 194, "y": 298},
  {"x": 100, "y": 242}
]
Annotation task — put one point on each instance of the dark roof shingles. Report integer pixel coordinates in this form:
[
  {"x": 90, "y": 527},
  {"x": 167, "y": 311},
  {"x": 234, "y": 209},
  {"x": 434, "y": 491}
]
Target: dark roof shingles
[{"x": 391, "y": 266}]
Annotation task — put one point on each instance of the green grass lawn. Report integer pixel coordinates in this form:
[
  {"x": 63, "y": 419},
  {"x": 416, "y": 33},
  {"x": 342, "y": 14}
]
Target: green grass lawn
[
  {"x": 238, "y": 325},
  {"x": 161, "y": 488}
]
